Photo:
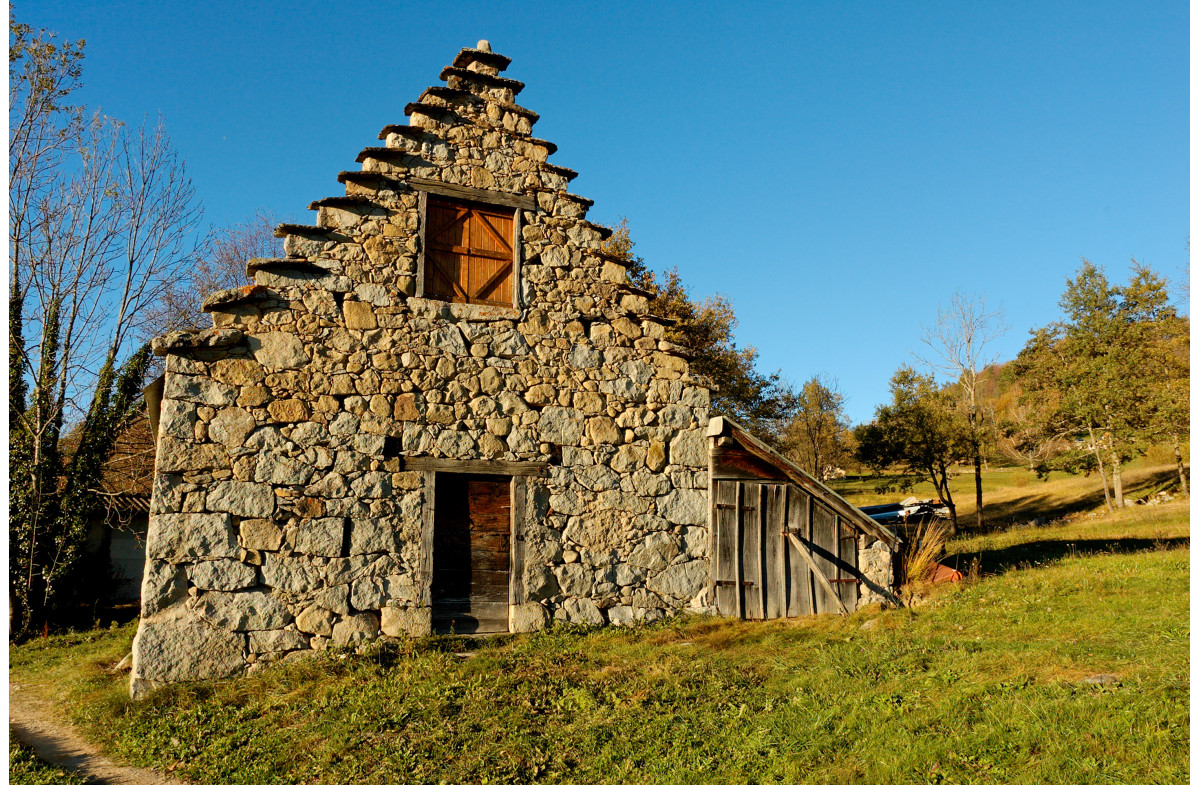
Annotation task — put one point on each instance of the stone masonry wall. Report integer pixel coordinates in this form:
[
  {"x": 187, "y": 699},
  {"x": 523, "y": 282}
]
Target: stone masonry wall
[{"x": 282, "y": 518}]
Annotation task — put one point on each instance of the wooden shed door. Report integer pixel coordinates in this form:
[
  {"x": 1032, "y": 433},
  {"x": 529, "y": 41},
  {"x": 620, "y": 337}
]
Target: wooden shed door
[
  {"x": 759, "y": 571},
  {"x": 471, "y": 533}
]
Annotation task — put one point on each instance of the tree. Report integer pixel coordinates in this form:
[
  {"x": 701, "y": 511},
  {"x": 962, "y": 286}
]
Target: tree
[
  {"x": 817, "y": 435},
  {"x": 222, "y": 266},
  {"x": 1098, "y": 366},
  {"x": 958, "y": 341},
  {"x": 100, "y": 221},
  {"x": 919, "y": 433},
  {"x": 705, "y": 328}
]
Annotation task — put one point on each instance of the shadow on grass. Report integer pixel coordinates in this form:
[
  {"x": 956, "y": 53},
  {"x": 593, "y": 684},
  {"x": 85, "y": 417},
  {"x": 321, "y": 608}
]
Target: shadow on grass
[
  {"x": 1046, "y": 551},
  {"x": 1051, "y": 504}
]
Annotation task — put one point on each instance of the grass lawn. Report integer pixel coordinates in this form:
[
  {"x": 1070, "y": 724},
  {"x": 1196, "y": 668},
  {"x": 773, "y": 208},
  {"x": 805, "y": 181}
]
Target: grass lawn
[
  {"x": 987, "y": 682},
  {"x": 1016, "y": 495}
]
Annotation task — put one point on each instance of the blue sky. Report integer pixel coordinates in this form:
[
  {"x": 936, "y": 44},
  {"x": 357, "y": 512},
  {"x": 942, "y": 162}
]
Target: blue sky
[{"x": 836, "y": 169}]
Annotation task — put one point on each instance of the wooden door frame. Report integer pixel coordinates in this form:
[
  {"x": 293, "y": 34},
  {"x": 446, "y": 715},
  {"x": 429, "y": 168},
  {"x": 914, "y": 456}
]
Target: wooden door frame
[{"x": 518, "y": 495}]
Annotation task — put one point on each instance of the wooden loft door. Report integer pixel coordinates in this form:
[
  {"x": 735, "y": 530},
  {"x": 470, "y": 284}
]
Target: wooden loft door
[
  {"x": 471, "y": 553},
  {"x": 469, "y": 254}
]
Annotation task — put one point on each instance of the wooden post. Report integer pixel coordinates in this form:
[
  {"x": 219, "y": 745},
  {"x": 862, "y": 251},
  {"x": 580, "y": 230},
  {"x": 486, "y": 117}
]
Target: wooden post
[{"x": 426, "y": 557}]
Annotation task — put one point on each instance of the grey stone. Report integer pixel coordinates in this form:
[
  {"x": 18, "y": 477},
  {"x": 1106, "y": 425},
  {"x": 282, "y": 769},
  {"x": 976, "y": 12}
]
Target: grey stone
[
  {"x": 688, "y": 448},
  {"x": 621, "y": 615},
  {"x": 509, "y": 344},
  {"x": 316, "y": 620},
  {"x": 163, "y": 584},
  {"x": 455, "y": 444},
  {"x": 695, "y": 541},
  {"x": 373, "y": 593},
  {"x": 559, "y": 425},
  {"x": 583, "y": 356},
  {"x": 648, "y": 483},
  {"x": 527, "y": 617},
  {"x": 181, "y": 536},
  {"x": 245, "y": 610},
  {"x": 292, "y": 574},
  {"x": 287, "y": 639},
  {"x": 627, "y": 575},
  {"x": 448, "y": 339},
  {"x": 684, "y": 507},
  {"x": 199, "y": 389},
  {"x": 574, "y": 579},
  {"x": 230, "y": 427},
  {"x": 374, "y": 535},
  {"x": 681, "y": 580},
  {"x": 223, "y": 575},
  {"x": 184, "y": 649},
  {"x": 410, "y": 622},
  {"x": 244, "y": 499},
  {"x": 277, "y": 469},
  {"x": 321, "y": 537},
  {"x": 278, "y": 351},
  {"x": 579, "y": 610},
  {"x": 540, "y": 583},
  {"x": 175, "y": 455},
  {"x": 266, "y": 437},
  {"x": 178, "y": 419},
  {"x": 601, "y": 531},
  {"x": 335, "y": 598},
  {"x": 655, "y": 551},
  {"x": 355, "y": 629}
]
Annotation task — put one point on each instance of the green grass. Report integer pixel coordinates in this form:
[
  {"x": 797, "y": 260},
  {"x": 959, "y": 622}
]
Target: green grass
[
  {"x": 984, "y": 683},
  {"x": 1016, "y": 495},
  {"x": 24, "y": 768}
]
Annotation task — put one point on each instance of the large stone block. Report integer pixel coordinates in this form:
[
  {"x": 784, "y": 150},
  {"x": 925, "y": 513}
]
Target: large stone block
[
  {"x": 222, "y": 575},
  {"x": 173, "y": 647},
  {"x": 527, "y": 617},
  {"x": 356, "y": 629},
  {"x": 579, "y": 610},
  {"x": 681, "y": 581},
  {"x": 230, "y": 427},
  {"x": 244, "y": 499},
  {"x": 199, "y": 389},
  {"x": 410, "y": 622},
  {"x": 684, "y": 507},
  {"x": 278, "y": 351},
  {"x": 184, "y": 536},
  {"x": 163, "y": 584},
  {"x": 244, "y": 610},
  {"x": 688, "y": 448},
  {"x": 559, "y": 425}
]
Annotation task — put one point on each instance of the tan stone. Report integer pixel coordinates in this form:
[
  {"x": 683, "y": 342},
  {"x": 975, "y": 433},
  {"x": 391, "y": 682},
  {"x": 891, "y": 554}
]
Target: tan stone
[
  {"x": 411, "y": 622},
  {"x": 251, "y": 397},
  {"x": 602, "y": 430},
  {"x": 656, "y": 456},
  {"x": 238, "y": 372},
  {"x": 288, "y": 410},
  {"x": 258, "y": 534},
  {"x": 406, "y": 407},
  {"x": 359, "y": 315}
]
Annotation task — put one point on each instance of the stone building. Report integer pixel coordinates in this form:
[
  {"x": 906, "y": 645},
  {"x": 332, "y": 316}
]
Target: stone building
[{"x": 445, "y": 409}]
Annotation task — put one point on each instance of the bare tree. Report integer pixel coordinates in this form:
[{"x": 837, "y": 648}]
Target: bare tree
[
  {"x": 958, "y": 341},
  {"x": 221, "y": 266},
  {"x": 101, "y": 219}
]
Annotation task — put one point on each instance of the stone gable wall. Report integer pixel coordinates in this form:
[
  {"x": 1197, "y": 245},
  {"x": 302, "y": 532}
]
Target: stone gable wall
[{"x": 283, "y": 520}]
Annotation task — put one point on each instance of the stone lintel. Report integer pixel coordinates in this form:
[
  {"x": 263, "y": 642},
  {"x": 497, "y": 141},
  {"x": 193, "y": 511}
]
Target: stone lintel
[{"x": 186, "y": 341}]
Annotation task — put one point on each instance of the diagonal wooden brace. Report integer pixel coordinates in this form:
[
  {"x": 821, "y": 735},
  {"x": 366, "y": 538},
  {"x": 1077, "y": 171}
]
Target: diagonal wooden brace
[{"x": 821, "y": 579}]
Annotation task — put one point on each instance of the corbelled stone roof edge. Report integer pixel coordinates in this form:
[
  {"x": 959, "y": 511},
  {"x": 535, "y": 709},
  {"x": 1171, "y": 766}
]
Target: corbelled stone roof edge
[
  {"x": 304, "y": 230},
  {"x": 230, "y": 298},
  {"x": 186, "y": 341},
  {"x": 297, "y": 265},
  {"x": 344, "y": 201},
  {"x": 484, "y": 79},
  {"x": 453, "y": 94},
  {"x": 467, "y": 55}
]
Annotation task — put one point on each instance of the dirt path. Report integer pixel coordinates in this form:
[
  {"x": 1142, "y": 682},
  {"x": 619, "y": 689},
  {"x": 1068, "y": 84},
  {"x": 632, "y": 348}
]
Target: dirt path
[{"x": 59, "y": 745}]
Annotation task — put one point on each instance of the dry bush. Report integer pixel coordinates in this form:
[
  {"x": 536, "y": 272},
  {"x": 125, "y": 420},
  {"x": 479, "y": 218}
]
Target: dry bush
[{"x": 929, "y": 543}]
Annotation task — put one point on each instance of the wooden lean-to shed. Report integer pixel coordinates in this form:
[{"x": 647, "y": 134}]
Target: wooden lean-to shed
[{"x": 784, "y": 544}]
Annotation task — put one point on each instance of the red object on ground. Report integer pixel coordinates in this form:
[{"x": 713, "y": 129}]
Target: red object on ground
[{"x": 944, "y": 574}]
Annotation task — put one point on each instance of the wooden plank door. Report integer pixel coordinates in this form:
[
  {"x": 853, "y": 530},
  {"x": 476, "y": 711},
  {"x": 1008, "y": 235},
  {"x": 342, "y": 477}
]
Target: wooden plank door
[
  {"x": 471, "y": 553},
  {"x": 847, "y": 585},
  {"x": 800, "y": 580},
  {"x": 726, "y": 548}
]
